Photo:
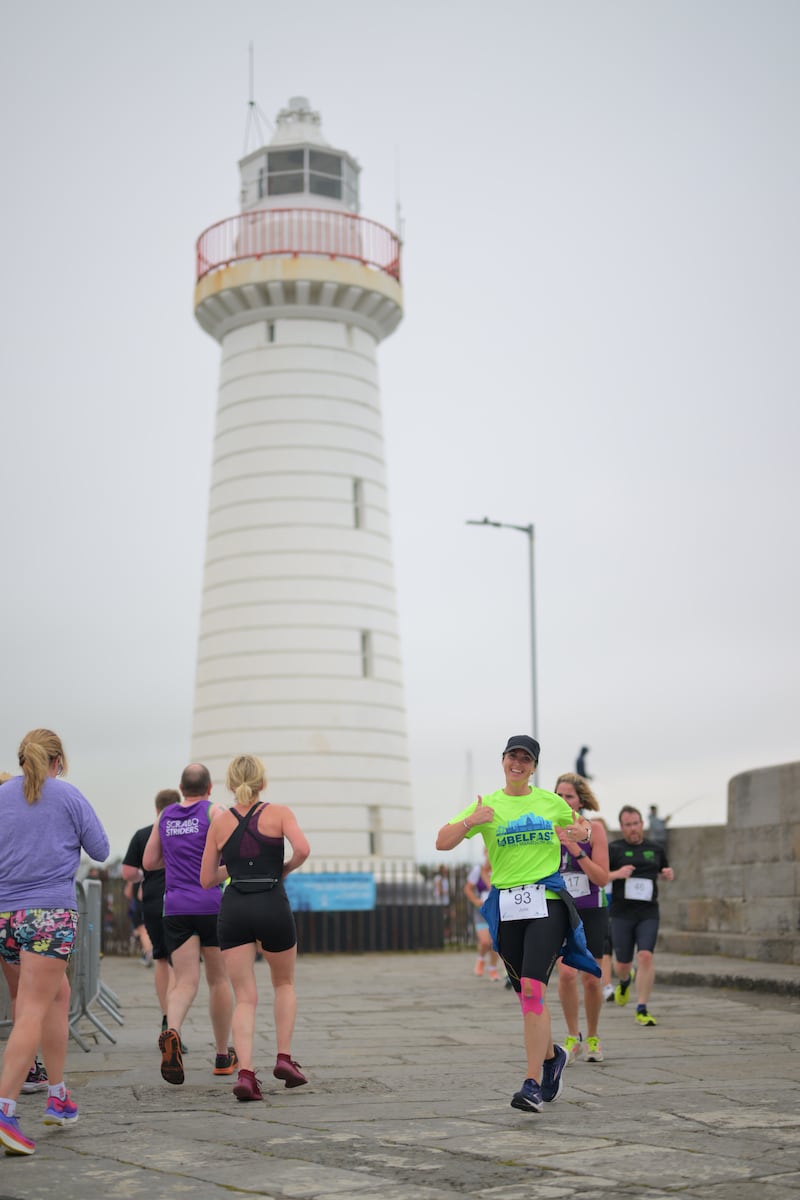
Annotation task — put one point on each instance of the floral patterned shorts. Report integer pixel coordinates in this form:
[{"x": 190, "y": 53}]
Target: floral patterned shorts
[{"x": 47, "y": 931}]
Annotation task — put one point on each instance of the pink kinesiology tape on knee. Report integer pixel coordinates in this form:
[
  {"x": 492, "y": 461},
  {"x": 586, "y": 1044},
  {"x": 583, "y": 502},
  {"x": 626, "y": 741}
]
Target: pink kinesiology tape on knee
[{"x": 533, "y": 1001}]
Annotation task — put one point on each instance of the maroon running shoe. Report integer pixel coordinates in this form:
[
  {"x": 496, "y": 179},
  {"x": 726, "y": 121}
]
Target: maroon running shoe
[
  {"x": 289, "y": 1070},
  {"x": 247, "y": 1087}
]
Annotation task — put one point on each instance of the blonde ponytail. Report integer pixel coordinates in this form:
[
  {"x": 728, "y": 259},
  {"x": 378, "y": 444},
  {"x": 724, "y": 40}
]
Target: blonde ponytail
[
  {"x": 246, "y": 778},
  {"x": 38, "y": 750}
]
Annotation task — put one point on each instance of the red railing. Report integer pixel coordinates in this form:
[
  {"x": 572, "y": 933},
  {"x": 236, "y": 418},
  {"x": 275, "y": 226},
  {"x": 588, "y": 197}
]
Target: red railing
[{"x": 292, "y": 231}]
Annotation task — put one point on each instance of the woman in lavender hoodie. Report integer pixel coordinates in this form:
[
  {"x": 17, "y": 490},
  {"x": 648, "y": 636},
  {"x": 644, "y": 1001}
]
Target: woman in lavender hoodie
[{"x": 46, "y": 824}]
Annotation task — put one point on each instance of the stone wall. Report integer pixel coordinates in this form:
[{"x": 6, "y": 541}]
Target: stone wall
[{"x": 737, "y": 886}]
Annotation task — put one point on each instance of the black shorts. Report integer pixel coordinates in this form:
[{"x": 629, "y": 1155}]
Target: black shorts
[
  {"x": 154, "y": 924},
  {"x": 179, "y": 929},
  {"x": 264, "y": 917},
  {"x": 595, "y": 926},
  {"x": 530, "y": 948},
  {"x": 626, "y": 934}
]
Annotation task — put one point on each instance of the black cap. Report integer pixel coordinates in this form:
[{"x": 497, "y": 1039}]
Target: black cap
[{"x": 521, "y": 741}]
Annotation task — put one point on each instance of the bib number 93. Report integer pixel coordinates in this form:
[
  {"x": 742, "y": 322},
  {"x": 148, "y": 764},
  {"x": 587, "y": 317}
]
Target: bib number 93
[{"x": 523, "y": 903}]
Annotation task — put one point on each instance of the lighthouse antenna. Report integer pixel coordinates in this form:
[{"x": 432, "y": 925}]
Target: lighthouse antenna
[
  {"x": 398, "y": 210},
  {"x": 253, "y": 128}
]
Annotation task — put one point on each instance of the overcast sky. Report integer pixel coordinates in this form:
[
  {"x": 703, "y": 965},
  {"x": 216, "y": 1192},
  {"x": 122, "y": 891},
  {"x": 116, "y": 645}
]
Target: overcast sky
[{"x": 601, "y": 337}]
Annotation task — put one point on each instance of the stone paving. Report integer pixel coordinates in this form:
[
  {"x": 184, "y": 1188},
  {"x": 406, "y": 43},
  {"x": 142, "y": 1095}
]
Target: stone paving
[{"x": 412, "y": 1062}]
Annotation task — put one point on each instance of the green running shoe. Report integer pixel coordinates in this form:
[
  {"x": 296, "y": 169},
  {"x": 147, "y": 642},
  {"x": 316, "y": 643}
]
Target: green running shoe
[
  {"x": 622, "y": 992},
  {"x": 645, "y": 1018},
  {"x": 573, "y": 1047},
  {"x": 594, "y": 1051}
]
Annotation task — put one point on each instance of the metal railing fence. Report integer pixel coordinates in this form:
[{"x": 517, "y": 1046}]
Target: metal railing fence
[
  {"x": 289, "y": 232},
  {"x": 417, "y": 907}
]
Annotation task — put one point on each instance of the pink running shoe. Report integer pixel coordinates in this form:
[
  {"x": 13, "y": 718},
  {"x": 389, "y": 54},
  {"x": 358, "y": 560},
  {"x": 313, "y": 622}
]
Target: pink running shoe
[{"x": 61, "y": 1112}]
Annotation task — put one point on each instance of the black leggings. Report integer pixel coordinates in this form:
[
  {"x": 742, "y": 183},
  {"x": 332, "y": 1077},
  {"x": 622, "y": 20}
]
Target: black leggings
[{"x": 530, "y": 948}]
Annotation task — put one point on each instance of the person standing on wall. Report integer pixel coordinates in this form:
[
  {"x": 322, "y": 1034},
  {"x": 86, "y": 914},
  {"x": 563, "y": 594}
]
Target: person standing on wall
[
  {"x": 580, "y": 763},
  {"x": 657, "y": 827}
]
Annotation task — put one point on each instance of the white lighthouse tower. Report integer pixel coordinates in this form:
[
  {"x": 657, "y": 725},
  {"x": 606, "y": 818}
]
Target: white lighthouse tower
[{"x": 299, "y": 655}]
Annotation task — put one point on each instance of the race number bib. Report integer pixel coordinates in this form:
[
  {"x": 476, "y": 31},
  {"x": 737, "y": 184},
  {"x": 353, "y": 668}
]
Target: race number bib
[
  {"x": 523, "y": 903},
  {"x": 577, "y": 884},
  {"x": 638, "y": 889}
]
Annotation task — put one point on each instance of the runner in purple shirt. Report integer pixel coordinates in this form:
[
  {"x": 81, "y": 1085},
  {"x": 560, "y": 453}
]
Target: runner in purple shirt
[{"x": 190, "y": 921}]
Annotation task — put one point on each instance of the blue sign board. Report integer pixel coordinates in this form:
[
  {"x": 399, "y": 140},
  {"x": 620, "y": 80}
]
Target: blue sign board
[{"x": 335, "y": 892}]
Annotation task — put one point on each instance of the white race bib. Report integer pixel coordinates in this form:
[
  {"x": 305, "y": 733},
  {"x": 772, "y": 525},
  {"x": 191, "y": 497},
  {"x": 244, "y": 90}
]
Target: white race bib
[
  {"x": 576, "y": 882},
  {"x": 638, "y": 889},
  {"x": 523, "y": 903}
]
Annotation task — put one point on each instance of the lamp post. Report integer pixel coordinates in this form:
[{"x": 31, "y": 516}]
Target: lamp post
[{"x": 529, "y": 530}]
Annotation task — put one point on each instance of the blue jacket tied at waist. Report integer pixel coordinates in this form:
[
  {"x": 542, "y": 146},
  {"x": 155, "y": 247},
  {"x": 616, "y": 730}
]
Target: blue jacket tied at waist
[{"x": 574, "y": 950}]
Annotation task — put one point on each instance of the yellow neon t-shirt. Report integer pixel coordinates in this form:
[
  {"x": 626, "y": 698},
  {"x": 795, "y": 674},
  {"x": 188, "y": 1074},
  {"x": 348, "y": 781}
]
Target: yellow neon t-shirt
[{"x": 521, "y": 841}]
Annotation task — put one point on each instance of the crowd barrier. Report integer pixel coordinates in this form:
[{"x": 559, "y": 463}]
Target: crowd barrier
[
  {"x": 417, "y": 907},
  {"x": 88, "y": 992},
  {"x": 88, "y": 989}
]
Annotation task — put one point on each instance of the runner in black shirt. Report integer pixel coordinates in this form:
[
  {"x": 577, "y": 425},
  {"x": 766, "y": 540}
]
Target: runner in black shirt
[{"x": 635, "y": 866}]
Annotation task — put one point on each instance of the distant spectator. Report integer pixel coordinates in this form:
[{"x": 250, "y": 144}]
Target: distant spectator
[
  {"x": 657, "y": 827},
  {"x": 580, "y": 763}
]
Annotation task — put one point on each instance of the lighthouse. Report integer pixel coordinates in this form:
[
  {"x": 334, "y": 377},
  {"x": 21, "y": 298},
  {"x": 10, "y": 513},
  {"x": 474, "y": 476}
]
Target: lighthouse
[{"x": 299, "y": 658}]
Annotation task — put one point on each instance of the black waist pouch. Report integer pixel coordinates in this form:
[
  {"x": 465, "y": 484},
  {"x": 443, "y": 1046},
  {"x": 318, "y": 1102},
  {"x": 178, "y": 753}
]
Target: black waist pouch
[{"x": 249, "y": 886}]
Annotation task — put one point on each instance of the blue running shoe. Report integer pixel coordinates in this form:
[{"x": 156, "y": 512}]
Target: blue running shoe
[
  {"x": 552, "y": 1074},
  {"x": 61, "y": 1112},
  {"x": 529, "y": 1097},
  {"x": 12, "y": 1137}
]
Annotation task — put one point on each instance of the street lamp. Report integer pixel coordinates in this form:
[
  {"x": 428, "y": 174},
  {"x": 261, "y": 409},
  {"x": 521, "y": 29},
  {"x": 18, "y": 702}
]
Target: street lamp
[{"x": 527, "y": 529}]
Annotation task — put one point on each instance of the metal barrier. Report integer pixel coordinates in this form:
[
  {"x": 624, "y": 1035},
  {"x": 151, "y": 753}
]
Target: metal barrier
[
  {"x": 87, "y": 987},
  {"x": 417, "y": 907}
]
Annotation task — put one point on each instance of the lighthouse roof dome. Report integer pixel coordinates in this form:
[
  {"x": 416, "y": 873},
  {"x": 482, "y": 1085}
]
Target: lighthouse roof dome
[{"x": 298, "y": 123}]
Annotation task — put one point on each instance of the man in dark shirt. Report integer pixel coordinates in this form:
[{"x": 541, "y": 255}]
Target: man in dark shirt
[
  {"x": 635, "y": 865},
  {"x": 152, "y": 885}
]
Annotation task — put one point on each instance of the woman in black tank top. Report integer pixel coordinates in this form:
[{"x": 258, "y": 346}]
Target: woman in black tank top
[{"x": 249, "y": 840}]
